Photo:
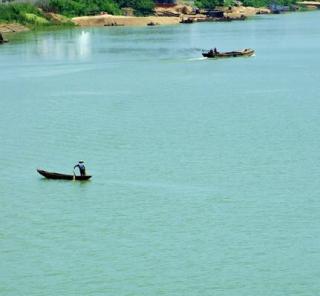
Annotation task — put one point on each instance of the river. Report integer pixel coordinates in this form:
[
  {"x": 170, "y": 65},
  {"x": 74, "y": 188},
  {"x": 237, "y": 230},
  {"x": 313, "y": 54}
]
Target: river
[{"x": 205, "y": 172}]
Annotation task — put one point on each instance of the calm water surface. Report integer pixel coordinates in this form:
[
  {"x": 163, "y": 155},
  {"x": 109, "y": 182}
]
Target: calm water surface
[{"x": 205, "y": 173}]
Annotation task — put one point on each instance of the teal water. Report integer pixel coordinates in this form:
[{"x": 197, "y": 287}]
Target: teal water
[{"x": 205, "y": 173}]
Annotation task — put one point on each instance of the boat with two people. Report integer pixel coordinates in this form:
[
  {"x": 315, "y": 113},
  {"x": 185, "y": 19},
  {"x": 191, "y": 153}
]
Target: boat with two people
[{"x": 214, "y": 53}]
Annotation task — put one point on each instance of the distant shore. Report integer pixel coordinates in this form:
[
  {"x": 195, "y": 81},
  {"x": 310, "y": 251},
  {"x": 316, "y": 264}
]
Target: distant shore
[
  {"x": 169, "y": 16},
  {"x": 162, "y": 16}
]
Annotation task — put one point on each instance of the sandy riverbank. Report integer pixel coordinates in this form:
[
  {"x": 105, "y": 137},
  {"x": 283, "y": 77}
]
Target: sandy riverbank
[
  {"x": 163, "y": 16},
  {"x": 238, "y": 11},
  {"x": 168, "y": 16},
  {"x": 111, "y": 20},
  {"x": 12, "y": 28}
]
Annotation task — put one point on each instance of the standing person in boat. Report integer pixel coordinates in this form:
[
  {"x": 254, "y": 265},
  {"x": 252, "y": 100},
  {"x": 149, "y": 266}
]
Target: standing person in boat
[
  {"x": 81, "y": 167},
  {"x": 215, "y": 50}
]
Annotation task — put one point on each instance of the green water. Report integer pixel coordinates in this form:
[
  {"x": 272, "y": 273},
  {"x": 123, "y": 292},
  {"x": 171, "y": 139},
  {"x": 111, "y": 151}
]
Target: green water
[{"x": 205, "y": 173}]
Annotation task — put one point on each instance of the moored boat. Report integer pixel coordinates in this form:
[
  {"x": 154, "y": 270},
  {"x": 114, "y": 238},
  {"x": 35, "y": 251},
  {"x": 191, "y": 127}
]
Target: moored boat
[
  {"x": 228, "y": 54},
  {"x": 2, "y": 40},
  {"x": 187, "y": 21},
  {"x": 58, "y": 176}
]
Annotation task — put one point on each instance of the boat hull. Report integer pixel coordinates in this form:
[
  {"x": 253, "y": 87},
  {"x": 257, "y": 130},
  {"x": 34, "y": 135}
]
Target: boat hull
[
  {"x": 230, "y": 54},
  {"x": 58, "y": 176},
  {"x": 2, "y": 40}
]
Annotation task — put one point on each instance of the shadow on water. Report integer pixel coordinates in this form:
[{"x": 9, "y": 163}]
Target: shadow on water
[{"x": 50, "y": 181}]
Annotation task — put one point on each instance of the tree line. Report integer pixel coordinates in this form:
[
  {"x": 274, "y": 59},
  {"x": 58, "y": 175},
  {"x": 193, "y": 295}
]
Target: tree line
[
  {"x": 212, "y": 4},
  {"x": 90, "y": 7}
]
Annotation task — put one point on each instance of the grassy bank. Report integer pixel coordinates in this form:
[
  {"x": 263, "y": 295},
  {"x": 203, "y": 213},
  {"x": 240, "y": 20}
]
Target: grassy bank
[
  {"x": 59, "y": 12},
  {"x": 30, "y": 16}
]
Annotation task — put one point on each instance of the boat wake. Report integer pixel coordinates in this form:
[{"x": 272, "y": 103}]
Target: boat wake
[{"x": 197, "y": 59}]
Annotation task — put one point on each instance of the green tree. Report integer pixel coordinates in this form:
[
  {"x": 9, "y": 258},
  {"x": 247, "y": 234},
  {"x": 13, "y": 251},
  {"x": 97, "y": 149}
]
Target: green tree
[
  {"x": 82, "y": 7},
  {"x": 141, "y": 7},
  {"x": 23, "y": 13},
  {"x": 88, "y": 7},
  {"x": 144, "y": 7},
  {"x": 261, "y": 3},
  {"x": 208, "y": 4}
]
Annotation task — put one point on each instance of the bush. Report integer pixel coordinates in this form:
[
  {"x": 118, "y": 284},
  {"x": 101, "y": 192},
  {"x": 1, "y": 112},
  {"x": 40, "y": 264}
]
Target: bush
[
  {"x": 256, "y": 3},
  {"x": 109, "y": 6},
  {"x": 144, "y": 7},
  {"x": 81, "y": 7},
  {"x": 22, "y": 13},
  {"x": 35, "y": 19},
  {"x": 208, "y": 4},
  {"x": 73, "y": 8},
  {"x": 261, "y": 3},
  {"x": 66, "y": 7}
]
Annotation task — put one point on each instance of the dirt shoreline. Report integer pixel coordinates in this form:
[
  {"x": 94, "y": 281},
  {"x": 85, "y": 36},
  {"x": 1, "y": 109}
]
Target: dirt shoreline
[
  {"x": 168, "y": 16},
  {"x": 163, "y": 16},
  {"x": 12, "y": 28},
  {"x": 112, "y": 20}
]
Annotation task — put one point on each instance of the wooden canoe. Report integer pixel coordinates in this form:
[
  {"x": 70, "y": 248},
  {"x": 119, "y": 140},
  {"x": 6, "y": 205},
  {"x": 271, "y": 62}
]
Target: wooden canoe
[
  {"x": 57, "y": 176},
  {"x": 228, "y": 54},
  {"x": 2, "y": 40}
]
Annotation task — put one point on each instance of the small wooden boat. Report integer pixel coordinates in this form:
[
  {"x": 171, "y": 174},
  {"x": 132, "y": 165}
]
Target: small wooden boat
[
  {"x": 57, "y": 176},
  {"x": 152, "y": 24},
  {"x": 2, "y": 40},
  {"x": 187, "y": 21},
  {"x": 228, "y": 54}
]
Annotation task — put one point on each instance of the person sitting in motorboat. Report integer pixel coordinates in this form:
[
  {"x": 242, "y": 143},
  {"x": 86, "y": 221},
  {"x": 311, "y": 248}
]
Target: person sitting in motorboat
[
  {"x": 213, "y": 52},
  {"x": 82, "y": 168}
]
